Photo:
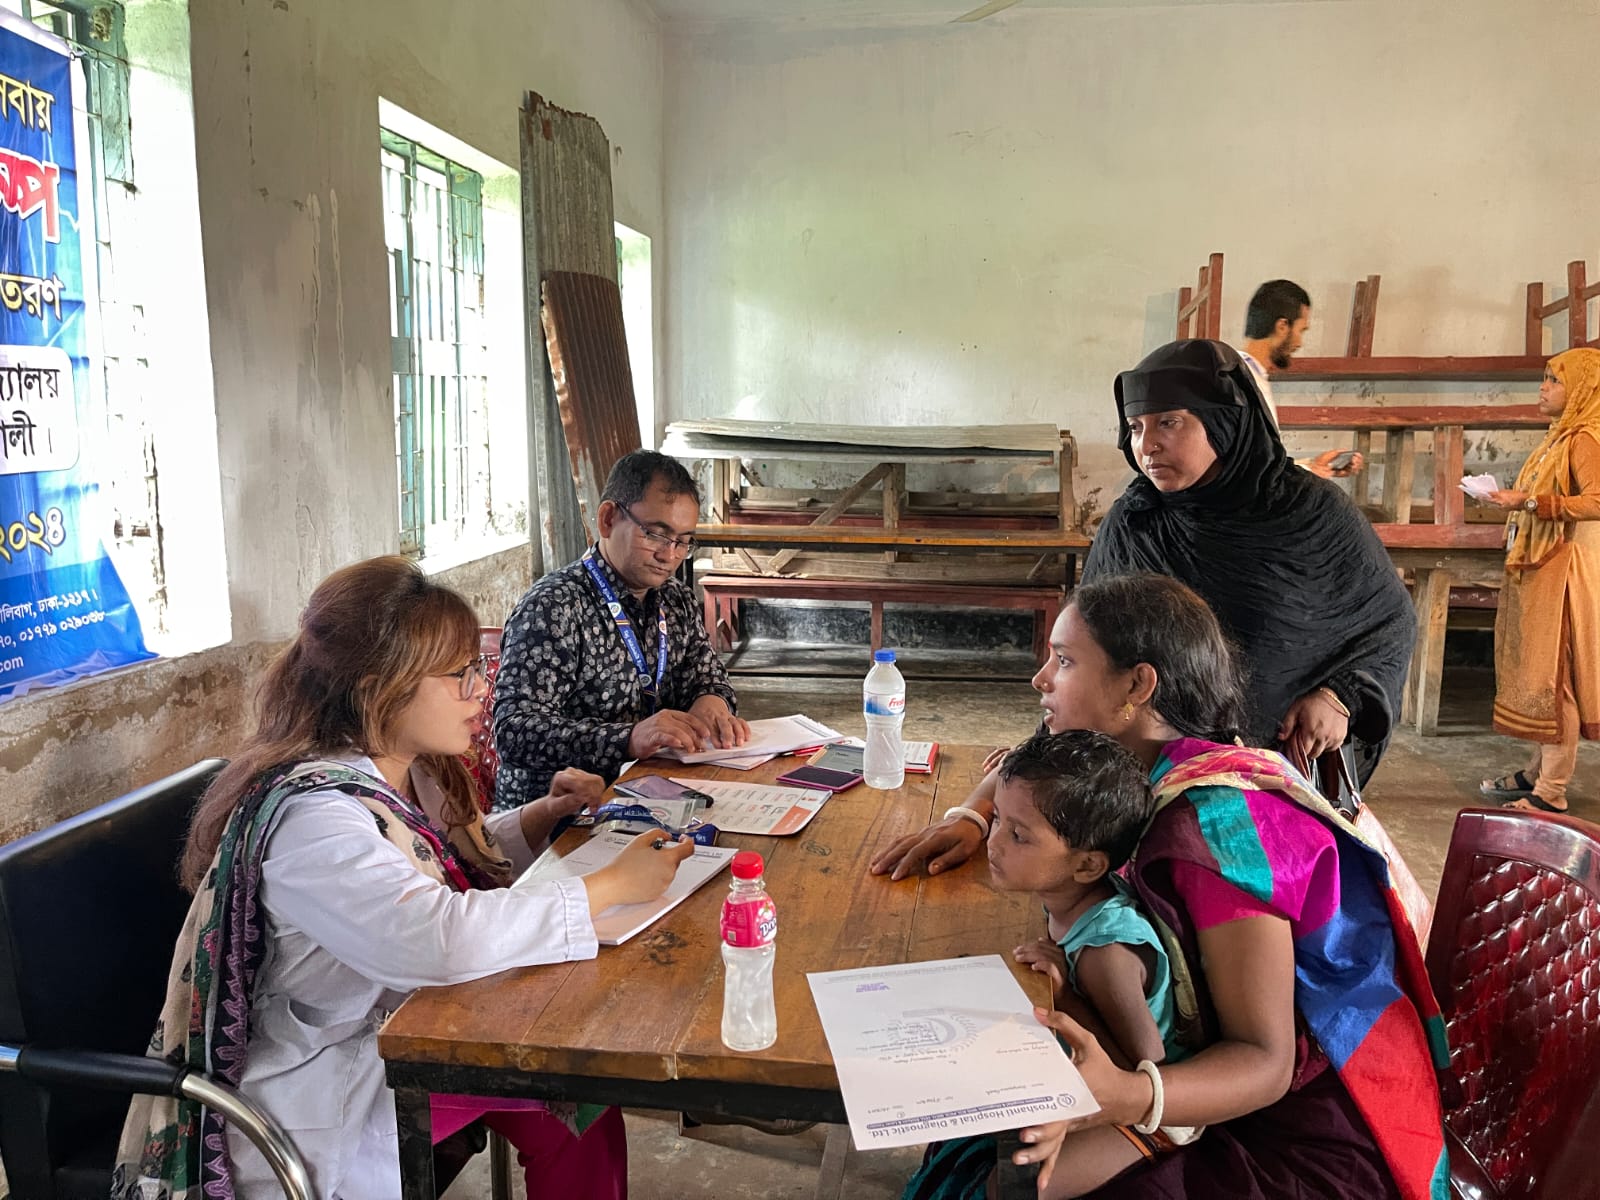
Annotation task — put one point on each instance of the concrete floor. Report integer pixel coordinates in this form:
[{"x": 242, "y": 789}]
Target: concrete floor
[{"x": 954, "y": 696}]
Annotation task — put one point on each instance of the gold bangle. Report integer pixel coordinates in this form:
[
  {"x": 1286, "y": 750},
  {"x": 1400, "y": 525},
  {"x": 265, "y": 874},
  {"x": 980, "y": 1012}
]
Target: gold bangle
[{"x": 1333, "y": 699}]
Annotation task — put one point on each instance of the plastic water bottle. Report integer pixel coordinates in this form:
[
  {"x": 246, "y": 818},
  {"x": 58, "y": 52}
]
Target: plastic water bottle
[
  {"x": 749, "y": 947},
  {"x": 883, "y": 700}
]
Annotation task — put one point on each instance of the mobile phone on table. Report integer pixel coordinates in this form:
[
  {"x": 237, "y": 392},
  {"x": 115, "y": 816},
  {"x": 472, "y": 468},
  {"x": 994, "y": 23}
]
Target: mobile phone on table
[
  {"x": 1342, "y": 462},
  {"x": 824, "y": 778},
  {"x": 841, "y": 758}
]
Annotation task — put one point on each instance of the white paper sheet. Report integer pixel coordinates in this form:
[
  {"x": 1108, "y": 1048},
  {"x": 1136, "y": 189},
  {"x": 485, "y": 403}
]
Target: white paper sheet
[
  {"x": 741, "y": 764},
  {"x": 757, "y": 807},
  {"x": 1479, "y": 486},
  {"x": 773, "y": 736},
  {"x": 617, "y": 924},
  {"x": 933, "y": 1050}
]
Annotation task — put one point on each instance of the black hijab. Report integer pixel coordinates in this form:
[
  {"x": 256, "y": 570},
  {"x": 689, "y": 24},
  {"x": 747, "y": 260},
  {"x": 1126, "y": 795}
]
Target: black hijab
[{"x": 1294, "y": 572}]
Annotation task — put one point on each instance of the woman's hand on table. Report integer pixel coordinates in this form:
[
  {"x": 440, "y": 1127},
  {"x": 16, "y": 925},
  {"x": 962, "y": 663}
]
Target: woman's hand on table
[
  {"x": 571, "y": 791},
  {"x": 995, "y": 758},
  {"x": 643, "y": 870},
  {"x": 940, "y": 846},
  {"x": 1315, "y": 725},
  {"x": 1508, "y": 500},
  {"x": 1125, "y": 1097}
]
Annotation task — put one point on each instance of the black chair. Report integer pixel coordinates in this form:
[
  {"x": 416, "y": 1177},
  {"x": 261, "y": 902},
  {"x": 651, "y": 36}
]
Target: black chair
[{"x": 89, "y": 911}]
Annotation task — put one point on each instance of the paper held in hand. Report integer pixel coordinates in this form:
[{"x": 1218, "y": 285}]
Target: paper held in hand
[
  {"x": 617, "y": 924},
  {"x": 934, "y": 1050},
  {"x": 1479, "y": 487}
]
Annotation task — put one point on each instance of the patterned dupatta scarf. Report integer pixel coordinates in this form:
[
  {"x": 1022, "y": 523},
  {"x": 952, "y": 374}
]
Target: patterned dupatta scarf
[
  {"x": 1361, "y": 987},
  {"x": 175, "y": 1149}
]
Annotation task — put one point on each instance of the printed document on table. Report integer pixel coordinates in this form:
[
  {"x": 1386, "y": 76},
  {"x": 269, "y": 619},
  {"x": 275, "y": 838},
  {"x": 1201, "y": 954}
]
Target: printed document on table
[
  {"x": 757, "y": 807},
  {"x": 934, "y": 1050},
  {"x": 617, "y": 924},
  {"x": 775, "y": 735}
]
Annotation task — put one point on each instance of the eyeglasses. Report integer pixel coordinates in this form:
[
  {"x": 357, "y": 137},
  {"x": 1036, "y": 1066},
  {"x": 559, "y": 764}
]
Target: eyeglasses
[
  {"x": 682, "y": 545},
  {"x": 471, "y": 675}
]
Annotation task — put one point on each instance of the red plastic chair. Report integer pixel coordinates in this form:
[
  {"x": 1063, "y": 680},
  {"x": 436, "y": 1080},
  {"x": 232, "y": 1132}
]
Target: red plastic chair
[
  {"x": 1515, "y": 961},
  {"x": 483, "y": 763}
]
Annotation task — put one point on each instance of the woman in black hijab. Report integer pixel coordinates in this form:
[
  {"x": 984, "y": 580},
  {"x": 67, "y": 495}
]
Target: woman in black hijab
[
  {"x": 1292, "y": 569},
  {"x": 1294, "y": 572}
]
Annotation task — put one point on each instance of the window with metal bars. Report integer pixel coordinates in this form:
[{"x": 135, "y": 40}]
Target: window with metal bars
[{"x": 433, "y": 227}]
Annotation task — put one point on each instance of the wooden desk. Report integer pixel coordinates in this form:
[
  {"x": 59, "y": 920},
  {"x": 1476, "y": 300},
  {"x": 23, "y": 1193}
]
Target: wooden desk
[{"x": 641, "y": 1024}]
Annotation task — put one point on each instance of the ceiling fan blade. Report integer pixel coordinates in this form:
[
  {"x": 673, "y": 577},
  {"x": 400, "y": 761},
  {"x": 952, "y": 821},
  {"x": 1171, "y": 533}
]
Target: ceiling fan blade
[{"x": 985, "y": 10}]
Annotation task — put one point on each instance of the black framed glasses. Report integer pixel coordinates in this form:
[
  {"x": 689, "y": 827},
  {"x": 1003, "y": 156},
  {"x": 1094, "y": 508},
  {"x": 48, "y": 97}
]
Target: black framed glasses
[
  {"x": 471, "y": 675},
  {"x": 682, "y": 545}
]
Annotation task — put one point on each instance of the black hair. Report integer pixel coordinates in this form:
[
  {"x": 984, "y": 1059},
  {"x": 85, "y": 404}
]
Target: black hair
[
  {"x": 1274, "y": 301},
  {"x": 1154, "y": 619},
  {"x": 1092, "y": 791},
  {"x": 631, "y": 478}
]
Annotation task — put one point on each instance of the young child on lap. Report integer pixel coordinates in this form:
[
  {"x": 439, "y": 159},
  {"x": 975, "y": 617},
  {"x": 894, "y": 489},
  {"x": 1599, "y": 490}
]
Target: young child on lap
[{"x": 1069, "y": 809}]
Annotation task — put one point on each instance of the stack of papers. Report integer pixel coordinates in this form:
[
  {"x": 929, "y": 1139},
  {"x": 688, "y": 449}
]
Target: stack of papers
[
  {"x": 845, "y": 755},
  {"x": 1479, "y": 486},
  {"x": 617, "y": 924},
  {"x": 920, "y": 757},
  {"x": 768, "y": 739},
  {"x": 914, "y": 1069}
]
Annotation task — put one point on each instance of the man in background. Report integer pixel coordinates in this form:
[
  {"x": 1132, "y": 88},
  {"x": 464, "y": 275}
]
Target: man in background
[{"x": 1275, "y": 325}]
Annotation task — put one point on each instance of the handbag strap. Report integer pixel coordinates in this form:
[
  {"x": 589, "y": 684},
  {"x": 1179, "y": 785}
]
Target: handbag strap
[{"x": 1346, "y": 778}]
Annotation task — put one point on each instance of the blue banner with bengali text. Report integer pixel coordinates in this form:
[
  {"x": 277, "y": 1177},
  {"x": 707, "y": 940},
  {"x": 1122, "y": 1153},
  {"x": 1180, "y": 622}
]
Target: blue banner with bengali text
[{"x": 63, "y": 611}]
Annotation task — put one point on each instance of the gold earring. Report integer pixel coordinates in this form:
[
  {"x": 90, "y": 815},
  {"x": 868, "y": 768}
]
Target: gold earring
[{"x": 1127, "y": 711}]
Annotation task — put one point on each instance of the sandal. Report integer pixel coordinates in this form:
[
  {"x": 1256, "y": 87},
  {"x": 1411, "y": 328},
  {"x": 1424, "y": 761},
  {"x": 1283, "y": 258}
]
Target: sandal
[
  {"x": 1533, "y": 802},
  {"x": 1516, "y": 786}
]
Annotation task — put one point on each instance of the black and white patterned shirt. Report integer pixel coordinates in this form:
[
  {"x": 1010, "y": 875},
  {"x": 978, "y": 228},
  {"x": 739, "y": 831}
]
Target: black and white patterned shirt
[{"x": 567, "y": 694}]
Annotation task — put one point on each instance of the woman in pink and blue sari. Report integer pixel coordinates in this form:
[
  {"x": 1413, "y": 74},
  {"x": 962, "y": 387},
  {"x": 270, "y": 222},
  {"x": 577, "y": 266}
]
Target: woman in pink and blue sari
[{"x": 1314, "y": 1039}]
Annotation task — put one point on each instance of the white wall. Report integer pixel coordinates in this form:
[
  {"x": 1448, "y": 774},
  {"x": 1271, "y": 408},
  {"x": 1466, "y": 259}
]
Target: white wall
[
  {"x": 937, "y": 223},
  {"x": 285, "y": 119},
  {"x": 286, "y": 96}
]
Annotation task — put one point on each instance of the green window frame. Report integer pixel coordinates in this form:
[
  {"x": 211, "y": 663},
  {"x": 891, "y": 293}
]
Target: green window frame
[{"x": 433, "y": 230}]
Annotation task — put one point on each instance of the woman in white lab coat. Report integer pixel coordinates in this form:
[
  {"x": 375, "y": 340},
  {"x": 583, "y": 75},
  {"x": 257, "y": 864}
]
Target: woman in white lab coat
[{"x": 338, "y": 863}]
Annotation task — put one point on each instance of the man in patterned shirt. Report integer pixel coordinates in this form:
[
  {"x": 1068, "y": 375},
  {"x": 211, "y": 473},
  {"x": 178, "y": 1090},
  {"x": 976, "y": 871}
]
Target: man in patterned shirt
[{"x": 607, "y": 659}]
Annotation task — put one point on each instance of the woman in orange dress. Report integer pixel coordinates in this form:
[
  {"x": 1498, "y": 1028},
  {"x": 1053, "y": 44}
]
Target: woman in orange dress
[{"x": 1547, "y": 632}]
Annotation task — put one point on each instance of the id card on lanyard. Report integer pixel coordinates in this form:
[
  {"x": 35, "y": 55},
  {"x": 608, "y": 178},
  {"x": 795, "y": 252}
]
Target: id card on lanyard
[{"x": 630, "y": 639}]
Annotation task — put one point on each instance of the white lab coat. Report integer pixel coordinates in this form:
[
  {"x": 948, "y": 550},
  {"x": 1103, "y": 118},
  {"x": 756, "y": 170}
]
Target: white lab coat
[{"x": 352, "y": 928}]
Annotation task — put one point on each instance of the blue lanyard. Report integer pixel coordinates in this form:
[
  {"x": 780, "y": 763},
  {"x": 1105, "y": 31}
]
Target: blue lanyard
[{"x": 630, "y": 639}]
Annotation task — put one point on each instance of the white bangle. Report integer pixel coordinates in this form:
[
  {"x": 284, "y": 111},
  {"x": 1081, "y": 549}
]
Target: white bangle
[
  {"x": 1158, "y": 1103},
  {"x": 968, "y": 814}
]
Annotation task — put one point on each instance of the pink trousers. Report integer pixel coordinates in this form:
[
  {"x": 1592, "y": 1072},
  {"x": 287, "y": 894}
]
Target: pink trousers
[{"x": 555, "y": 1164}]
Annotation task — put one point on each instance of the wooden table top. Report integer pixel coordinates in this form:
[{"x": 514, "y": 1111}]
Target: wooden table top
[{"x": 651, "y": 1009}]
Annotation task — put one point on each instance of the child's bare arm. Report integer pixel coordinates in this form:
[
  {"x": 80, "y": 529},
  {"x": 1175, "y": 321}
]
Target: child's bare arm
[
  {"x": 1045, "y": 957},
  {"x": 1112, "y": 980}
]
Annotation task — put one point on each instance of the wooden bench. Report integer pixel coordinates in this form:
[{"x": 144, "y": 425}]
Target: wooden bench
[
  {"x": 1438, "y": 556},
  {"x": 959, "y": 556},
  {"x": 723, "y": 593}
]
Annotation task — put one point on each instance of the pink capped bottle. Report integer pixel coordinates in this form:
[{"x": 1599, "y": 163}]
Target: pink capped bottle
[{"x": 749, "y": 948}]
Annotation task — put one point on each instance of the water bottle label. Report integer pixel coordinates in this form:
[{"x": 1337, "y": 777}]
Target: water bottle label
[
  {"x": 884, "y": 706},
  {"x": 750, "y": 922}
]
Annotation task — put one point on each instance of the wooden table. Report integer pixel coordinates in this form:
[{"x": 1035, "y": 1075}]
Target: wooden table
[{"x": 641, "y": 1024}]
